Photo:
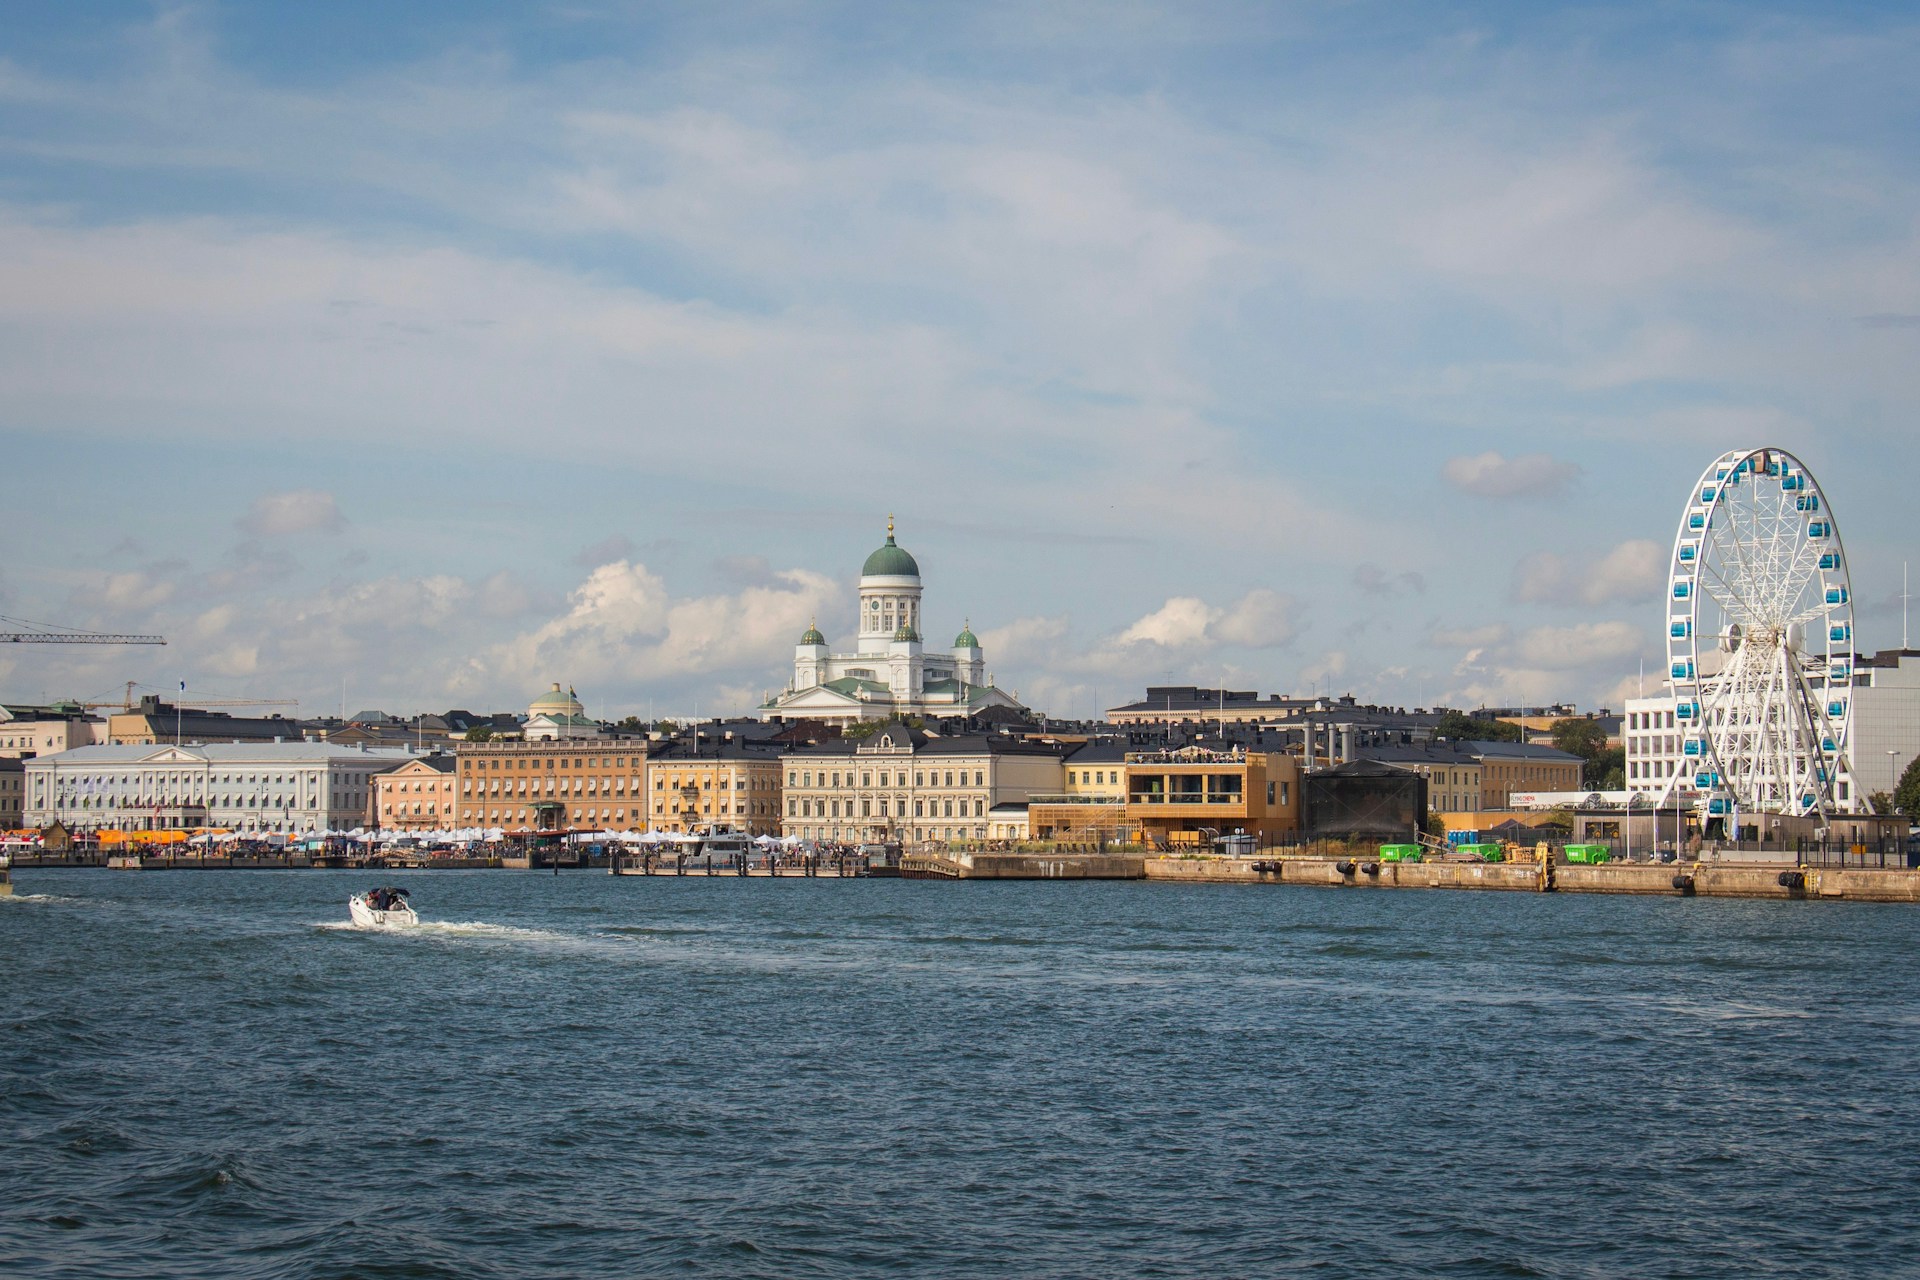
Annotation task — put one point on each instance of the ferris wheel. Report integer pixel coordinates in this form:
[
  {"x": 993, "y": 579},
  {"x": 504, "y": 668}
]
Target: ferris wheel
[{"x": 1760, "y": 639}]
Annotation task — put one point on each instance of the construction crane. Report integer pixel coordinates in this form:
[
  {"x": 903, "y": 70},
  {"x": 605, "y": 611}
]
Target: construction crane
[
  {"x": 44, "y": 634},
  {"x": 126, "y": 703}
]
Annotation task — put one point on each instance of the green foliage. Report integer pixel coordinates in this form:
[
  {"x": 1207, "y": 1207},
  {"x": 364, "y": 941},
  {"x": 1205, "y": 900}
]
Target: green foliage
[
  {"x": 1880, "y": 802},
  {"x": 1434, "y": 827},
  {"x": 1906, "y": 796},
  {"x": 479, "y": 733},
  {"x": 861, "y": 730},
  {"x": 1575, "y": 736},
  {"x": 1461, "y": 726}
]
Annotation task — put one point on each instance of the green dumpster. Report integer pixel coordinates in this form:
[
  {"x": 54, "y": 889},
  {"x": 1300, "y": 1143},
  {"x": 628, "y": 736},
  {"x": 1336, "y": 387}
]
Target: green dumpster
[
  {"x": 1591, "y": 855},
  {"x": 1400, "y": 853},
  {"x": 1491, "y": 851}
]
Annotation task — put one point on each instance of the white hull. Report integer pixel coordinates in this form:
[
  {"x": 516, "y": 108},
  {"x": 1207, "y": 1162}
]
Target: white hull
[{"x": 365, "y": 917}]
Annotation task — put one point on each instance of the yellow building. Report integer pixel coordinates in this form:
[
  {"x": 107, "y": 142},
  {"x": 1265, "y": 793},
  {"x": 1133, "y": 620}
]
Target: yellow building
[
  {"x": 1191, "y": 794},
  {"x": 1507, "y": 767},
  {"x": 1092, "y": 807},
  {"x": 1453, "y": 775},
  {"x": 553, "y": 786},
  {"x": 902, "y": 785},
  {"x": 713, "y": 786}
]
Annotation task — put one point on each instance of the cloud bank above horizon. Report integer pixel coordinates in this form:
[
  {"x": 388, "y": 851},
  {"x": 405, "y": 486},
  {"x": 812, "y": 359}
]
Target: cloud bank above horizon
[{"x": 1316, "y": 346}]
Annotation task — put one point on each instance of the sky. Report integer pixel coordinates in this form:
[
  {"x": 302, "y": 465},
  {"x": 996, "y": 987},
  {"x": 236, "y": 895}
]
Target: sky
[{"x": 421, "y": 356}]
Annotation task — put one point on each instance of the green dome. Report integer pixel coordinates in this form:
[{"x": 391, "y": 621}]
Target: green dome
[
  {"x": 906, "y": 631},
  {"x": 890, "y": 561},
  {"x": 556, "y": 703},
  {"x": 966, "y": 639},
  {"x": 812, "y": 634}
]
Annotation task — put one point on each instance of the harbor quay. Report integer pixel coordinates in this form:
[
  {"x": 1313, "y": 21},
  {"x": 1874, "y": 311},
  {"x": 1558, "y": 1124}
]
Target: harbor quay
[{"x": 1714, "y": 878}]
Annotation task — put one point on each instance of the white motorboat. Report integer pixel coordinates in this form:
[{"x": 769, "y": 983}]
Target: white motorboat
[{"x": 381, "y": 908}]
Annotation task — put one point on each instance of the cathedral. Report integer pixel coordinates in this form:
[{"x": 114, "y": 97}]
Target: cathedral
[{"x": 888, "y": 674}]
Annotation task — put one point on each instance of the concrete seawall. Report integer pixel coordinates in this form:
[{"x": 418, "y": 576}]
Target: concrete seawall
[{"x": 1706, "y": 880}]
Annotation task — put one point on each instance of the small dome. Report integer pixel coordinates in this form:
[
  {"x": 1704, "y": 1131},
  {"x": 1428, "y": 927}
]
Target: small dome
[
  {"x": 812, "y": 634},
  {"x": 890, "y": 561},
  {"x": 966, "y": 639},
  {"x": 906, "y": 632},
  {"x": 555, "y": 702}
]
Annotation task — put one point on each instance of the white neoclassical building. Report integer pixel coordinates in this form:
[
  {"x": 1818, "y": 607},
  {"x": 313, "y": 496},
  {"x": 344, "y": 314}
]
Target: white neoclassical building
[
  {"x": 889, "y": 673},
  {"x": 236, "y": 786}
]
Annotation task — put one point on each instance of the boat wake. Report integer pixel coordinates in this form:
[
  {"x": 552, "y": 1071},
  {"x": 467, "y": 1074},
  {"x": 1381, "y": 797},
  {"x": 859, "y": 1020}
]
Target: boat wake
[{"x": 450, "y": 929}]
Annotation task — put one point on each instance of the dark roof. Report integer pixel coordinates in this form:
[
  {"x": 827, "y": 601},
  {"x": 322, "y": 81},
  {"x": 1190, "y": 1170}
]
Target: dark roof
[
  {"x": 714, "y": 747},
  {"x": 925, "y": 745},
  {"x": 1102, "y": 751},
  {"x": 1520, "y": 751},
  {"x": 1361, "y": 769},
  {"x": 1401, "y": 753}
]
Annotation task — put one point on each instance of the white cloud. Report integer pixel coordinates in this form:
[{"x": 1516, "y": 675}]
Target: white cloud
[
  {"x": 1631, "y": 573},
  {"x": 1032, "y": 641},
  {"x": 1261, "y": 619},
  {"x": 1580, "y": 664},
  {"x": 1491, "y": 475},
  {"x": 623, "y": 632},
  {"x": 278, "y": 515},
  {"x": 1591, "y": 644}
]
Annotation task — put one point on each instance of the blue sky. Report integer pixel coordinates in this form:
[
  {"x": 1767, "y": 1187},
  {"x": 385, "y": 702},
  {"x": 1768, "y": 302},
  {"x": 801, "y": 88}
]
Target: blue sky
[{"x": 454, "y": 349}]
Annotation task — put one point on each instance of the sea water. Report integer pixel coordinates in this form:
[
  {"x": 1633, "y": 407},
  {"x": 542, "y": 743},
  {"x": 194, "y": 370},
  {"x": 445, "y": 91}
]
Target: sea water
[{"x": 208, "y": 1074}]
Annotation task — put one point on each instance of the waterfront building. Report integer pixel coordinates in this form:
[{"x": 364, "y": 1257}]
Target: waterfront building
[
  {"x": 41, "y": 731},
  {"x": 1453, "y": 775},
  {"x": 13, "y": 793},
  {"x": 250, "y": 787},
  {"x": 1885, "y": 734},
  {"x": 1507, "y": 767},
  {"x": 1092, "y": 806},
  {"x": 901, "y": 785},
  {"x": 1367, "y": 800},
  {"x": 1188, "y": 795},
  {"x": 416, "y": 796},
  {"x": 719, "y": 781},
  {"x": 553, "y": 785},
  {"x": 889, "y": 674}
]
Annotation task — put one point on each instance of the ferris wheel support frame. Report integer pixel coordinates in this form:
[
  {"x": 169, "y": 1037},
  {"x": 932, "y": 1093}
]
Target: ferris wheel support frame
[{"x": 1764, "y": 729}]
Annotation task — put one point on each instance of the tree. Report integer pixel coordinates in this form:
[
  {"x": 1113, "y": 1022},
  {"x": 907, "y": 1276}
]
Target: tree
[
  {"x": 1578, "y": 736},
  {"x": 1460, "y": 726},
  {"x": 480, "y": 733},
  {"x": 1906, "y": 796},
  {"x": 1581, "y": 737},
  {"x": 1607, "y": 771},
  {"x": 1881, "y": 803}
]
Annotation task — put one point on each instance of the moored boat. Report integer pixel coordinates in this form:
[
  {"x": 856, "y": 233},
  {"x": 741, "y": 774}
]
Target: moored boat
[{"x": 381, "y": 908}]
